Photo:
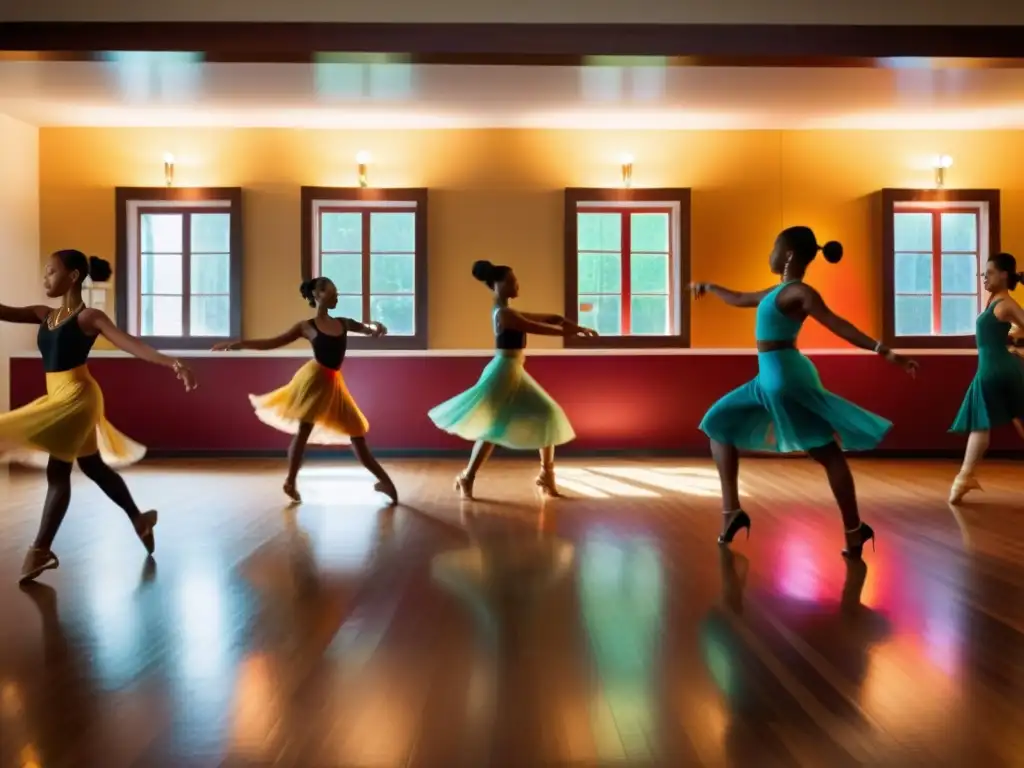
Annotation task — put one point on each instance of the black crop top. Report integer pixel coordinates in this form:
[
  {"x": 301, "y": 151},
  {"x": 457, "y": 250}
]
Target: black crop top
[
  {"x": 507, "y": 338},
  {"x": 329, "y": 350},
  {"x": 66, "y": 346}
]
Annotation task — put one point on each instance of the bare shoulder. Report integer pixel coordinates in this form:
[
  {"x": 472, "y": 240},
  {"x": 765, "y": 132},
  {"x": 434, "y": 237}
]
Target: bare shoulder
[
  {"x": 93, "y": 319},
  {"x": 799, "y": 293}
]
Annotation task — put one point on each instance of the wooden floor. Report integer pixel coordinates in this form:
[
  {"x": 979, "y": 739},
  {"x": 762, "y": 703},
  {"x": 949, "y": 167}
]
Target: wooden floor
[{"x": 604, "y": 629}]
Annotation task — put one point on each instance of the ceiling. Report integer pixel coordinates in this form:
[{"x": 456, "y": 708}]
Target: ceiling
[{"x": 147, "y": 89}]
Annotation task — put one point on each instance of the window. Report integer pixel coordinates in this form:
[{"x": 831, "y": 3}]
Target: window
[
  {"x": 371, "y": 243},
  {"x": 627, "y": 266},
  {"x": 936, "y": 244},
  {"x": 178, "y": 280}
]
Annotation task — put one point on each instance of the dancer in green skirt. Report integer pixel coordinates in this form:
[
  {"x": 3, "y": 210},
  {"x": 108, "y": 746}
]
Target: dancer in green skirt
[
  {"x": 785, "y": 408},
  {"x": 996, "y": 395},
  {"x": 507, "y": 407}
]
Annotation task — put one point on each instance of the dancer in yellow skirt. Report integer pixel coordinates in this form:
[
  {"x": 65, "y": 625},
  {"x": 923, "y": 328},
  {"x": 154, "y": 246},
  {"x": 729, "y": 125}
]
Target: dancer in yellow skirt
[
  {"x": 507, "y": 406},
  {"x": 315, "y": 406},
  {"x": 68, "y": 423}
]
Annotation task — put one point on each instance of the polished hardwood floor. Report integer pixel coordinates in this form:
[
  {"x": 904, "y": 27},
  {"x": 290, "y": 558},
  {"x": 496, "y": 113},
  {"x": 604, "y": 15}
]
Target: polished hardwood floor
[{"x": 607, "y": 628}]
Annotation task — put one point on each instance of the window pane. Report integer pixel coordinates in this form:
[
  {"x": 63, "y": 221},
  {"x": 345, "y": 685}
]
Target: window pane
[
  {"x": 959, "y": 314},
  {"x": 161, "y": 273},
  {"x": 959, "y": 232},
  {"x": 599, "y": 273},
  {"x": 913, "y": 272},
  {"x": 913, "y": 315},
  {"x": 602, "y": 313},
  {"x": 649, "y": 232},
  {"x": 161, "y": 315},
  {"x": 392, "y": 273},
  {"x": 210, "y": 316},
  {"x": 161, "y": 233},
  {"x": 345, "y": 270},
  {"x": 211, "y": 273},
  {"x": 341, "y": 232},
  {"x": 649, "y": 316},
  {"x": 649, "y": 273},
  {"x": 396, "y": 312},
  {"x": 599, "y": 231},
  {"x": 959, "y": 273},
  {"x": 211, "y": 232},
  {"x": 351, "y": 307},
  {"x": 912, "y": 231},
  {"x": 393, "y": 232}
]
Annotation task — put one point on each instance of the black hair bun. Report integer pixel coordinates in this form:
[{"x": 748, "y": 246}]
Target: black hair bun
[
  {"x": 832, "y": 251},
  {"x": 483, "y": 271},
  {"x": 99, "y": 269},
  {"x": 306, "y": 288}
]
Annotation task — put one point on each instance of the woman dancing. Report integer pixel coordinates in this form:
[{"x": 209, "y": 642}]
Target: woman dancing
[
  {"x": 315, "y": 406},
  {"x": 785, "y": 408},
  {"x": 68, "y": 423},
  {"x": 507, "y": 407},
  {"x": 996, "y": 395}
]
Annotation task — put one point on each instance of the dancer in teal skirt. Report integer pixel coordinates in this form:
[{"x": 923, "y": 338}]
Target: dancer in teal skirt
[
  {"x": 785, "y": 408},
  {"x": 996, "y": 395},
  {"x": 507, "y": 407}
]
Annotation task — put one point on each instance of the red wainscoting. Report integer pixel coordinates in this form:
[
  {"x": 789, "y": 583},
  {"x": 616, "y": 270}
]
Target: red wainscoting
[{"x": 635, "y": 402}]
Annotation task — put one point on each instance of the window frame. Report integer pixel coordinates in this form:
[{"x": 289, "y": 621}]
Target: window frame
[
  {"x": 978, "y": 200},
  {"x": 316, "y": 200},
  {"x": 174, "y": 200},
  {"x": 673, "y": 201}
]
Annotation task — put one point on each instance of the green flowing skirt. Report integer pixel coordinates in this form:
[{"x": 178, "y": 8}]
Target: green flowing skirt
[
  {"x": 506, "y": 407},
  {"x": 785, "y": 409},
  {"x": 995, "y": 397}
]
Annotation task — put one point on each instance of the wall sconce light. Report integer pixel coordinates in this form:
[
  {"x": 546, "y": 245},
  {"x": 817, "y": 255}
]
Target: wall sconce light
[
  {"x": 627, "y": 171},
  {"x": 363, "y": 160},
  {"x": 169, "y": 169},
  {"x": 941, "y": 163}
]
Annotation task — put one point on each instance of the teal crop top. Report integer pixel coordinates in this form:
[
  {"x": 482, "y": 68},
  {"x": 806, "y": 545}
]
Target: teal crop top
[{"x": 771, "y": 324}]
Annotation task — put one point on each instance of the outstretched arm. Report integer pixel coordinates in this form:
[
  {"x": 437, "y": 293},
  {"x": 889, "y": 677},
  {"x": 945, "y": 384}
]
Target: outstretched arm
[
  {"x": 374, "y": 328},
  {"x": 732, "y": 298},
  {"x": 33, "y": 315},
  {"x": 292, "y": 334},
  {"x": 539, "y": 317},
  {"x": 518, "y": 321},
  {"x": 96, "y": 323}
]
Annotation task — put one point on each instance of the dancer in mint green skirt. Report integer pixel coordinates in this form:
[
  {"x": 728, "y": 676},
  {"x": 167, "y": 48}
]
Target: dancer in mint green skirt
[
  {"x": 507, "y": 407},
  {"x": 996, "y": 395},
  {"x": 785, "y": 409}
]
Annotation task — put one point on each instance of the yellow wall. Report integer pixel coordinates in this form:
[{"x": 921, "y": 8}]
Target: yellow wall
[{"x": 498, "y": 194}]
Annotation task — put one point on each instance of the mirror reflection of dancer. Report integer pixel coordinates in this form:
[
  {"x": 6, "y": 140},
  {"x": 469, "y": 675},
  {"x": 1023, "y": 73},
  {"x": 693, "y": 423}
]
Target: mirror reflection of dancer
[
  {"x": 507, "y": 407},
  {"x": 996, "y": 395},
  {"x": 786, "y": 409},
  {"x": 68, "y": 423},
  {"x": 315, "y": 406}
]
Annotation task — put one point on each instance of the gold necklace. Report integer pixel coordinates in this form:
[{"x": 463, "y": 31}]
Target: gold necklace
[{"x": 56, "y": 318}]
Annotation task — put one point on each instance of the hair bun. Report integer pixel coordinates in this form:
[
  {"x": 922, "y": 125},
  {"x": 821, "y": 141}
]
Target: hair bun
[
  {"x": 99, "y": 269},
  {"x": 832, "y": 251},
  {"x": 483, "y": 270}
]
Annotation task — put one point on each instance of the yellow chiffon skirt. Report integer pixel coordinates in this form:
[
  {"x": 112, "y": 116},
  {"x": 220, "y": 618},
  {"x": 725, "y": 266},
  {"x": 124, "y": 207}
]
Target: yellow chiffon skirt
[
  {"x": 316, "y": 395},
  {"x": 66, "y": 423}
]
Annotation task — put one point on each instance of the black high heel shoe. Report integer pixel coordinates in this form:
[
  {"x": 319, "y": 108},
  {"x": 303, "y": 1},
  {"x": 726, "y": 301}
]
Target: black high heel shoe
[
  {"x": 855, "y": 551},
  {"x": 739, "y": 521}
]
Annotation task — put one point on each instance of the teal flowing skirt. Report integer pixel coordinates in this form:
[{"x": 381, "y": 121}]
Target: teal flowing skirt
[
  {"x": 506, "y": 407},
  {"x": 995, "y": 397},
  {"x": 785, "y": 409}
]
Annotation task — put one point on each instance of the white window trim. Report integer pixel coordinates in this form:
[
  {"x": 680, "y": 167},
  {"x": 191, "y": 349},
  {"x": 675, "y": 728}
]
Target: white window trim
[
  {"x": 134, "y": 270},
  {"x": 982, "y": 209}
]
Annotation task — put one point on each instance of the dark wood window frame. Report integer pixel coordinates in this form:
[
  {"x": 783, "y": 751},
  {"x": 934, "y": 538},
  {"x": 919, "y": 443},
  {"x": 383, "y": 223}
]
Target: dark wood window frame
[
  {"x": 364, "y": 199},
  {"x": 577, "y": 198},
  {"x": 891, "y": 200},
  {"x": 182, "y": 197}
]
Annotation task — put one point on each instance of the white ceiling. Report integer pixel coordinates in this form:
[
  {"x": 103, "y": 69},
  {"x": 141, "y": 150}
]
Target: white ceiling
[{"x": 171, "y": 90}]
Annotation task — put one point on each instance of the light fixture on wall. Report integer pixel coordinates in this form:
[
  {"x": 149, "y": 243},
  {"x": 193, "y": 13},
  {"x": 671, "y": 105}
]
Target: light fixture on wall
[
  {"x": 169, "y": 169},
  {"x": 940, "y": 164},
  {"x": 363, "y": 160},
  {"x": 627, "y": 171}
]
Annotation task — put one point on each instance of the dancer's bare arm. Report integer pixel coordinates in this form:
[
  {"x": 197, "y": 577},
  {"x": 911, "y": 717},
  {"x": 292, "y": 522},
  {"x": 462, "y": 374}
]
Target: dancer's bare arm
[
  {"x": 730, "y": 297},
  {"x": 517, "y": 321},
  {"x": 292, "y": 334},
  {"x": 375, "y": 329},
  {"x": 1009, "y": 311},
  {"x": 574, "y": 329},
  {"x": 33, "y": 315}
]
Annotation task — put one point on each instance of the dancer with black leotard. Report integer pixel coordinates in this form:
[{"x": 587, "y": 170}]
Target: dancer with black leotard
[
  {"x": 315, "y": 406},
  {"x": 68, "y": 424}
]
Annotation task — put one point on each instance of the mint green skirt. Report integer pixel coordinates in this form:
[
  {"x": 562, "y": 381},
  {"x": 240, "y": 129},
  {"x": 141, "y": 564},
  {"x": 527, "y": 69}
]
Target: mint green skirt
[
  {"x": 787, "y": 410},
  {"x": 996, "y": 395},
  {"x": 506, "y": 407}
]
